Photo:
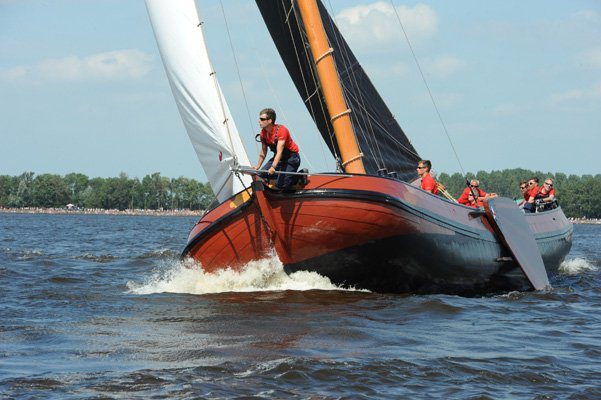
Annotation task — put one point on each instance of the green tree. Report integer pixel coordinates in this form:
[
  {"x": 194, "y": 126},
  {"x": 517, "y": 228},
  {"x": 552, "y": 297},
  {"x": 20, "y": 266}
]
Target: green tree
[
  {"x": 94, "y": 194},
  {"x": 8, "y": 186},
  {"x": 177, "y": 190},
  {"x": 22, "y": 196},
  {"x": 156, "y": 191},
  {"x": 48, "y": 190},
  {"x": 119, "y": 192},
  {"x": 76, "y": 183}
]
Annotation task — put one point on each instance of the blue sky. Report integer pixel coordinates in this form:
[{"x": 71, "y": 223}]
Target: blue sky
[{"x": 518, "y": 84}]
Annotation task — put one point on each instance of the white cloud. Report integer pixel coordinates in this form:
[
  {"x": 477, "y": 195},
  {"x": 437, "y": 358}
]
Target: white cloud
[
  {"x": 377, "y": 24},
  {"x": 592, "y": 58},
  {"x": 587, "y": 16},
  {"x": 444, "y": 66},
  {"x": 113, "y": 65},
  {"x": 593, "y": 92}
]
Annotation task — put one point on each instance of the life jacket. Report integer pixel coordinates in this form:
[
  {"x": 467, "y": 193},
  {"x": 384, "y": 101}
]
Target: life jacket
[{"x": 541, "y": 195}]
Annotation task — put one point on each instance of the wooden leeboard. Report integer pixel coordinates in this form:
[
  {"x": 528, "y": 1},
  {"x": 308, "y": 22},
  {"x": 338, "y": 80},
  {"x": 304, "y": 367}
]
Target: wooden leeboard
[{"x": 510, "y": 224}]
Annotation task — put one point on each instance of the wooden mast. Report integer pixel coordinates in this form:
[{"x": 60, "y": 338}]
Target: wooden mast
[{"x": 332, "y": 90}]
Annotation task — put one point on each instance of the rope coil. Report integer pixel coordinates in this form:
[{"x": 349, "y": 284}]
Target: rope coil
[
  {"x": 358, "y": 156},
  {"x": 324, "y": 55},
  {"x": 342, "y": 114}
]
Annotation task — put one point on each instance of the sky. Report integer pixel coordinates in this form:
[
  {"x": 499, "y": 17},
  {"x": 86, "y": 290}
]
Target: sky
[{"x": 517, "y": 84}]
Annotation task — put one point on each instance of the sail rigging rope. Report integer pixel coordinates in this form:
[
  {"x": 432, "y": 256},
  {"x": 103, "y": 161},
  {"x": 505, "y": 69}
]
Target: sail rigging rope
[
  {"x": 313, "y": 78},
  {"x": 237, "y": 69},
  {"x": 242, "y": 84},
  {"x": 370, "y": 134},
  {"x": 279, "y": 104},
  {"x": 427, "y": 87},
  {"x": 213, "y": 75},
  {"x": 383, "y": 130}
]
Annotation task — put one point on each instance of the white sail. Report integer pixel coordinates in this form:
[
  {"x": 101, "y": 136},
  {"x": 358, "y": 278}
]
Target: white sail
[{"x": 201, "y": 104}]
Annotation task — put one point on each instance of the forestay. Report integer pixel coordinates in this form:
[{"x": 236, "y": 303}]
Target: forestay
[{"x": 201, "y": 104}]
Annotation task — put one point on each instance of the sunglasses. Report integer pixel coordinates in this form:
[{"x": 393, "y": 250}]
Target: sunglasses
[
  {"x": 263, "y": 119},
  {"x": 421, "y": 167},
  {"x": 522, "y": 187},
  {"x": 550, "y": 184},
  {"x": 473, "y": 185}
]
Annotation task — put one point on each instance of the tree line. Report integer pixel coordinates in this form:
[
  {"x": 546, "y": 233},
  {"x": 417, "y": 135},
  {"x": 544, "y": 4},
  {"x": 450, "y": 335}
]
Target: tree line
[
  {"x": 577, "y": 195},
  {"x": 153, "y": 192}
]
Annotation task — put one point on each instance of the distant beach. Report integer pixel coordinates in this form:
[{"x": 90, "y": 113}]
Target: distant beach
[
  {"x": 99, "y": 211},
  {"x": 585, "y": 220},
  {"x": 164, "y": 213}
]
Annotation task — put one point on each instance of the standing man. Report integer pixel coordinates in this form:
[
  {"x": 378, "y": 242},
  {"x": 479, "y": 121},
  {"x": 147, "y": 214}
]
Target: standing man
[
  {"x": 428, "y": 183},
  {"x": 286, "y": 157}
]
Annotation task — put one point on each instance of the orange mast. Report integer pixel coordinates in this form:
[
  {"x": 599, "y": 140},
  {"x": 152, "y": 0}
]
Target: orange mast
[{"x": 332, "y": 90}]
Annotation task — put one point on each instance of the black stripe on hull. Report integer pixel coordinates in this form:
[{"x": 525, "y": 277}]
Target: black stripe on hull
[{"x": 419, "y": 263}]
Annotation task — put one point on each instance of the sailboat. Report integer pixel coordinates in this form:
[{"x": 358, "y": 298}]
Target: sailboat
[{"x": 364, "y": 225}]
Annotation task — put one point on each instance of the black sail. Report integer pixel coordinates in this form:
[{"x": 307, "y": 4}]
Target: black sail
[{"x": 381, "y": 139}]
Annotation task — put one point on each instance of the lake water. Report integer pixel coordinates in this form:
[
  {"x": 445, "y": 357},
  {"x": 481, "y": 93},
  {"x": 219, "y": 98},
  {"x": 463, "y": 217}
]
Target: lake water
[{"x": 100, "y": 306}]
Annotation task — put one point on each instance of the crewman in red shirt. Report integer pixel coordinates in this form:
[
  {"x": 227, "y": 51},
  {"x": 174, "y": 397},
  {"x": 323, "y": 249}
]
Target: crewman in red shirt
[
  {"x": 545, "y": 196},
  {"x": 546, "y": 192},
  {"x": 471, "y": 201},
  {"x": 532, "y": 192},
  {"x": 286, "y": 157},
  {"x": 473, "y": 189},
  {"x": 428, "y": 183}
]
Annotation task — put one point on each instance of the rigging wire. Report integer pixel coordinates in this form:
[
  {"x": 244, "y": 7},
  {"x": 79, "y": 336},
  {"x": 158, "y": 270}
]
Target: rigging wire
[
  {"x": 369, "y": 134},
  {"x": 384, "y": 131},
  {"x": 304, "y": 158},
  {"x": 427, "y": 87},
  {"x": 213, "y": 74},
  {"x": 313, "y": 77},
  {"x": 229, "y": 36}
]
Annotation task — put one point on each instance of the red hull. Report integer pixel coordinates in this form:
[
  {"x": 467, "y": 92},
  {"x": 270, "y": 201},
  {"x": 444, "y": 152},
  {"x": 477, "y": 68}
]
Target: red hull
[{"x": 336, "y": 224}]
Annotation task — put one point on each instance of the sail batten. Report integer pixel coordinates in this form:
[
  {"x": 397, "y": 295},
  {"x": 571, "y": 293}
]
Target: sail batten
[
  {"x": 381, "y": 139},
  {"x": 198, "y": 95}
]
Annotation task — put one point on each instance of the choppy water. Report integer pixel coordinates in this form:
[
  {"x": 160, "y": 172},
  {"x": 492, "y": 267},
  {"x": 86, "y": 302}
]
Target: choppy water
[{"x": 99, "y": 306}]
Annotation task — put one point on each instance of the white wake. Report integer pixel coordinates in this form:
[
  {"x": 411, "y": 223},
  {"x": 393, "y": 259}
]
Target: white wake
[
  {"x": 264, "y": 275},
  {"x": 576, "y": 266}
]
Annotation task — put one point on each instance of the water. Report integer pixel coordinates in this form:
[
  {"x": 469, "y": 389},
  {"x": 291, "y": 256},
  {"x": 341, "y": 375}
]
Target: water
[{"x": 100, "y": 307}]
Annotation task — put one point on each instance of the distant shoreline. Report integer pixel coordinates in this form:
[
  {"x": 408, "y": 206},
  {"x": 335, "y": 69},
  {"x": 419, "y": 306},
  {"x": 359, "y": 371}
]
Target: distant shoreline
[
  {"x": 585, "y": 221},
  {"x": 98, "y": 211},
  {"x": 164, "y": 213}
]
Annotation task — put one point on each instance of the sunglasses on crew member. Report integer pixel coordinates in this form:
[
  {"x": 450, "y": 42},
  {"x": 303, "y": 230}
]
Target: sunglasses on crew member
[
  {"x": 473, "y": 185},
  {"x": 522, "y": 187},
  {"x": 263, "y": 119},
  {"x": 550, "y": 184}
]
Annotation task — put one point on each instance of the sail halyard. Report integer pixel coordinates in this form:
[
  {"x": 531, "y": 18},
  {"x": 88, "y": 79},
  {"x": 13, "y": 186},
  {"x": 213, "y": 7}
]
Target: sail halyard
[
  {"x": 198, "y": 95},
  {"x": 381, "y": 139},
  {"x": 332, "y": 90}
]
